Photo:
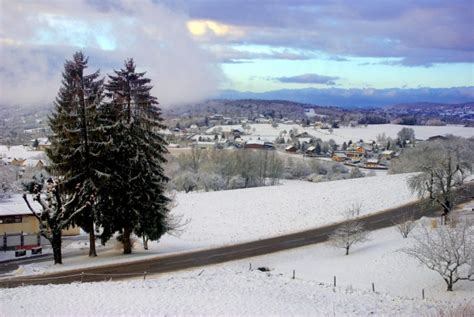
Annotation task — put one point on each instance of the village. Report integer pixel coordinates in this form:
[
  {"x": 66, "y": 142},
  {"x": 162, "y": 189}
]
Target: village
[{"x": 368, "y": 149}]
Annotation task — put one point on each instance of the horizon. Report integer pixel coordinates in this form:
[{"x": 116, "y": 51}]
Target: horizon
[{"x": 368, "y": 54}]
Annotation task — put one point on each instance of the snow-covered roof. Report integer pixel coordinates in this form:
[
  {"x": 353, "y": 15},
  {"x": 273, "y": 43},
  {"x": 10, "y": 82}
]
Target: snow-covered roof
[
  {"x": 32, "y": 163},
  {"x": 14, "y": 206},
  {"x": 259, "y": 142}
]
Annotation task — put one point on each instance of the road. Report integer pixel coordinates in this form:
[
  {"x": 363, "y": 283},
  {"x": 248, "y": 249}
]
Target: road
[{"x": 187, "y": 260}]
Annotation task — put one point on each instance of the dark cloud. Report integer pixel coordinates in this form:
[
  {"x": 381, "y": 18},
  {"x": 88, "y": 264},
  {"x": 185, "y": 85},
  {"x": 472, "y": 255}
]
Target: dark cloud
[
  {"x": 419, "y": 32},
  {"x": 309, "y": 79}
]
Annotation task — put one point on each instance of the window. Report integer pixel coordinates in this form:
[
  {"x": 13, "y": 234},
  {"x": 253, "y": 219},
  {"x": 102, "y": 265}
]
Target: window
[{"x": 11, "y": 219}]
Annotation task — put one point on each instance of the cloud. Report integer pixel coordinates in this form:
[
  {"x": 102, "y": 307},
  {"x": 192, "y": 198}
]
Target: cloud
[
  {"x": 37, "y": 36},
  {"x": 230, "y": 55},
  {"x": 419, "y": 32},
  {"x": 308, "y": 79}
]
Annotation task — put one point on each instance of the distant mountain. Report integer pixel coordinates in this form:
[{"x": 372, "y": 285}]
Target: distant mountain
[
  {"x": 251, "y": 108},
  {"x": 432, "y": 106},
  {"x": 360, "y": 98}
]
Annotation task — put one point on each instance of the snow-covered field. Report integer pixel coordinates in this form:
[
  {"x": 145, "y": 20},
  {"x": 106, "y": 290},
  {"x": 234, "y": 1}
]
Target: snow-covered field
[
  {"x": 231, "y": 289},
  {"x": 233, "y": 216},
  {"x": 377, "y": 261},
  {"x": 247, "y": 214},
  {"x": 267, "y": 132},
  {"x": 20, "y": 152}
]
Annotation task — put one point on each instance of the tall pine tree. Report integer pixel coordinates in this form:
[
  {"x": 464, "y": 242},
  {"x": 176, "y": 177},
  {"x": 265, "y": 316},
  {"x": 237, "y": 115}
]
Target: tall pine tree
[
  {"x": 78, "y": 140},
  {"x": 136, "y": 189}
]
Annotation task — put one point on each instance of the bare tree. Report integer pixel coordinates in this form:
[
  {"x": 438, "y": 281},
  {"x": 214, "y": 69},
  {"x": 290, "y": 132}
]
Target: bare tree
[
  {"x": 405, "y": 225},
  {"x": 406, "y": 134},
  {"x": 447, "y": 250},
  {"x": 53, "y": 218},
  {"x": 186, "y": 181},
  {"x": 350, "y": 232},
  {"x": 7, "y": 178},
  {"x": 192, "y": 161},
  {"x": 444, "y": 167}
]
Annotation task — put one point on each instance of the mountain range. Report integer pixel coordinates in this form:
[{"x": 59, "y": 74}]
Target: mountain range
[{"x": 360, "y": 97}]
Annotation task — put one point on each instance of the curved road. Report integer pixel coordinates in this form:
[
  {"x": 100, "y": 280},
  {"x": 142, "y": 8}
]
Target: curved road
[{"x": 162, "y": 264}]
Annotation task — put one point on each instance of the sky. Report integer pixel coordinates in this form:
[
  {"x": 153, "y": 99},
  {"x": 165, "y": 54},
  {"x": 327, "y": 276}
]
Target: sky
[{"x": 392, "y": 51}]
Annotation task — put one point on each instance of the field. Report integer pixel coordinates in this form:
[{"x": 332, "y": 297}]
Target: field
[{"x": 344, "y": 134}]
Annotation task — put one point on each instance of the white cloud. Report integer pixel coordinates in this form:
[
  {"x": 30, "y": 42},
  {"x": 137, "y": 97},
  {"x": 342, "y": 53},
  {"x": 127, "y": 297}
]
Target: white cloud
[{"x": 37, "y": 37}]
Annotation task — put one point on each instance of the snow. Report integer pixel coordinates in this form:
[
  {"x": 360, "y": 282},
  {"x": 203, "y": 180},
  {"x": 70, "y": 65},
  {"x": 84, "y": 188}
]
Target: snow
[
  {"x": 15, "y": 205},
  {"x": 226, "y": 217},
  {"x": 225, "y": 290},
  {"x": 20, "y": 152},
  {"x": 235, "y": 216},
  {"x": 377, "y": 261},
  {"x": 344, "y": 134}
]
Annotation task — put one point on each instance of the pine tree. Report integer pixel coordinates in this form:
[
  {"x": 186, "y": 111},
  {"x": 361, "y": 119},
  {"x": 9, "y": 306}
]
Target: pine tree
[
  {"x": 77, "y": 140},
  {"x": 318, "y": 148},
  {"x": 137, "y": 203}
]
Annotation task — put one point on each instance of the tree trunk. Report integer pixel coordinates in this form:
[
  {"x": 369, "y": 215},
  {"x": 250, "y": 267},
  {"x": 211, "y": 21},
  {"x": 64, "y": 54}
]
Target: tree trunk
[
  {"x": 145, "y": 242},
  {"x": 127, "y": 244},
  {"x": 92, "y": 251},
  {"x": 450, "y": 283},
  {"x": 56, "y": 245},
  {"x": 347, "y": 250}
]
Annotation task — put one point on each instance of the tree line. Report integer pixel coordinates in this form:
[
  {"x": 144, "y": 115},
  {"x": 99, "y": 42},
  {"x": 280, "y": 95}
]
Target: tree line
[{"x": 106, "y": 159}]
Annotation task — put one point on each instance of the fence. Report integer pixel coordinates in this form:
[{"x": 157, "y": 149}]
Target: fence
[{"x": 22, "y": 241}]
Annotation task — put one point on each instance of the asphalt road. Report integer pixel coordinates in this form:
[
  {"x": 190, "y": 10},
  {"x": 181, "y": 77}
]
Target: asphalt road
[{"x": 182, "y": 261}]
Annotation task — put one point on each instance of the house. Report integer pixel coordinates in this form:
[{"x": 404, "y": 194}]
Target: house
[
  {"x": 16, "y": 218},
  {"x": 387, "y": 154},
  {"x": 254, "y": 144},
  {"x": 311, "y": 150},
  {"x": 291, "y": 149},
  {"x": 355, "y": 155},
  {"x": 372, "y": 162},
  {"x": 35, "y": 164},
  {"x": 43, "y": 144},
  {"x": 339, "y": 157},
  {"x": 268, "y": 145},
  {"x": 216, "y": 117},
  {"x": 18, "y": 162}
]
